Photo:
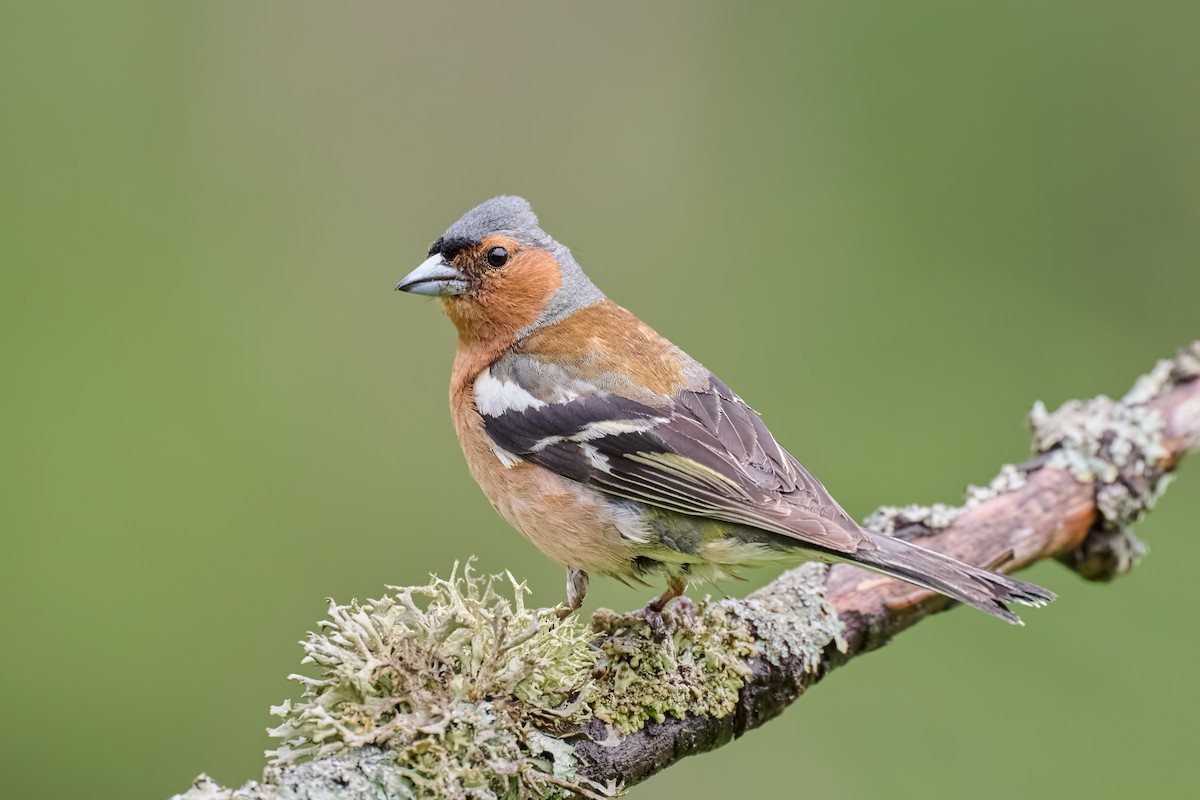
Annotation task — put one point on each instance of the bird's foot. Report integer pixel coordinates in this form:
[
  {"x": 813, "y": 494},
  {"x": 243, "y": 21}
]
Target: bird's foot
[
  {"x": 656, "y": 622},
  {"x": 577, "y": 585},
  {"x": 653, "y": 612}
]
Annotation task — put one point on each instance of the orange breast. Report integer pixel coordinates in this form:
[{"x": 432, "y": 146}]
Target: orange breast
[{"x": 573, "y": 525}]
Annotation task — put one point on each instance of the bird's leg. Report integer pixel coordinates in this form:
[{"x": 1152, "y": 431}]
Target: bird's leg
[
  {"x": 675, "y": 587},
  {"x": 577, "y": 586},
  {"x": 654, "y": 609}
]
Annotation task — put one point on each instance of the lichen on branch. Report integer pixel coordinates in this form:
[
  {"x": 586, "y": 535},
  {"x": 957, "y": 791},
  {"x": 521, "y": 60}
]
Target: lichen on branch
[
  {"x": 450, "y": 678},
  {"x": 472, "y": 693}
]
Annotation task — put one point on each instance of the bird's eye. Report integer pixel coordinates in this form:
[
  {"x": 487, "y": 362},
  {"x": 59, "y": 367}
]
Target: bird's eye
[{"x": 497, "y": 257}]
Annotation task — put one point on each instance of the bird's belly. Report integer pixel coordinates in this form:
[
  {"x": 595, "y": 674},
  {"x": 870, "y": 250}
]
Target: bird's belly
[{"x": 572, "y": 524}]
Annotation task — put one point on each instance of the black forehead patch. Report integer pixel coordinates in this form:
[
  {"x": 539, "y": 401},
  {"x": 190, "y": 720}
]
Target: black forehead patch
[{"x": 449, "y": 247}]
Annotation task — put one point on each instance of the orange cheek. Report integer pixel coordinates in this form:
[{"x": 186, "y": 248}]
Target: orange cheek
[{"x": 508, "y": 299}]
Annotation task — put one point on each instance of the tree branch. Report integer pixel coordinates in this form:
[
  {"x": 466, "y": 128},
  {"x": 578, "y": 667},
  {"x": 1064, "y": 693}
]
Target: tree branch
[{"x": 726, "y": 667}]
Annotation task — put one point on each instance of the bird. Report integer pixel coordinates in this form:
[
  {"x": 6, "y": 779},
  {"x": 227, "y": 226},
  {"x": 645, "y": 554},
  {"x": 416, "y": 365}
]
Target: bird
[{"x": 615, "y": 452}]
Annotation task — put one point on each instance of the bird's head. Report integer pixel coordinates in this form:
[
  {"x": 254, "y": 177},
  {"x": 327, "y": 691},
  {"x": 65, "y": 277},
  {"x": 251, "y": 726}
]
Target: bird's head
[{"x": 499, "y": 275}]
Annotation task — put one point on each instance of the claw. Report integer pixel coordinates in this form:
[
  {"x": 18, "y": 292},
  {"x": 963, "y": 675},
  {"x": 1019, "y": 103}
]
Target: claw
[
  {"x": 658, "y": 625},
  {"x": 577, "y": 586}
]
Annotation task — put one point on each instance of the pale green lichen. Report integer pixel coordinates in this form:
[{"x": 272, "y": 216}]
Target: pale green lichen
[
  {"x": 890, "y": 519},
  {"x": 368, "y": 773},
  {"x": 470, "y": 693},
  {"x": 1166, "y": 375},
  {"x": 1119, "y": 446},
  {"x": 791, "y": 619},
  {"x": 695, "y": 664},
  {"x": 698, "y": 662},
  {"x": 450, "y": 678},
  {"x": 1095, "y": 440},
  {"x": 931, "y": 519},
  {"x": 1009, "y": 478}
]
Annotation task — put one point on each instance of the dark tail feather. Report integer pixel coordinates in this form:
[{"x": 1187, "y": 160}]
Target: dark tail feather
[{"x": 987, "y": 591}]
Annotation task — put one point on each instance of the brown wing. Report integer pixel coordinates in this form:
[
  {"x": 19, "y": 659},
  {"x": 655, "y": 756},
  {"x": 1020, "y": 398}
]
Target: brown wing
[{"x": 703, "y": 452}]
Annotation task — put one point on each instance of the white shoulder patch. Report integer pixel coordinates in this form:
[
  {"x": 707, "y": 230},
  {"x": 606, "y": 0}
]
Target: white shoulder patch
[{"x": 493, "y": 397}]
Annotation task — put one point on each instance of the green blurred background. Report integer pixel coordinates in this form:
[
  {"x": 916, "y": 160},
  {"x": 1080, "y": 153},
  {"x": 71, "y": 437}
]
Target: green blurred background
[{"x": 891, "y": 226}]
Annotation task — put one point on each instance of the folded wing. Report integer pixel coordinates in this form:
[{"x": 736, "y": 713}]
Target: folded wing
[{"x": 702, "y": 451}]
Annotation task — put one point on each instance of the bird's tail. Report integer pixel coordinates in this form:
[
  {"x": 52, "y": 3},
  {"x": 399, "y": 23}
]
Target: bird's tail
[{"x": 987, "y": 591}]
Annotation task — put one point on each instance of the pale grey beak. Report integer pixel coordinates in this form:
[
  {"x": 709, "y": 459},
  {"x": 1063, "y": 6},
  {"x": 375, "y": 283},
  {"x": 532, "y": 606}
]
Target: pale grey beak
[{"x": 435, "y": 277}]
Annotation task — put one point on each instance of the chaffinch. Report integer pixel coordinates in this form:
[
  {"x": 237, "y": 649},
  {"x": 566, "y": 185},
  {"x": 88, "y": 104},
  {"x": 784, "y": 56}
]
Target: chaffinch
[{"x": 615, "y": 452}]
